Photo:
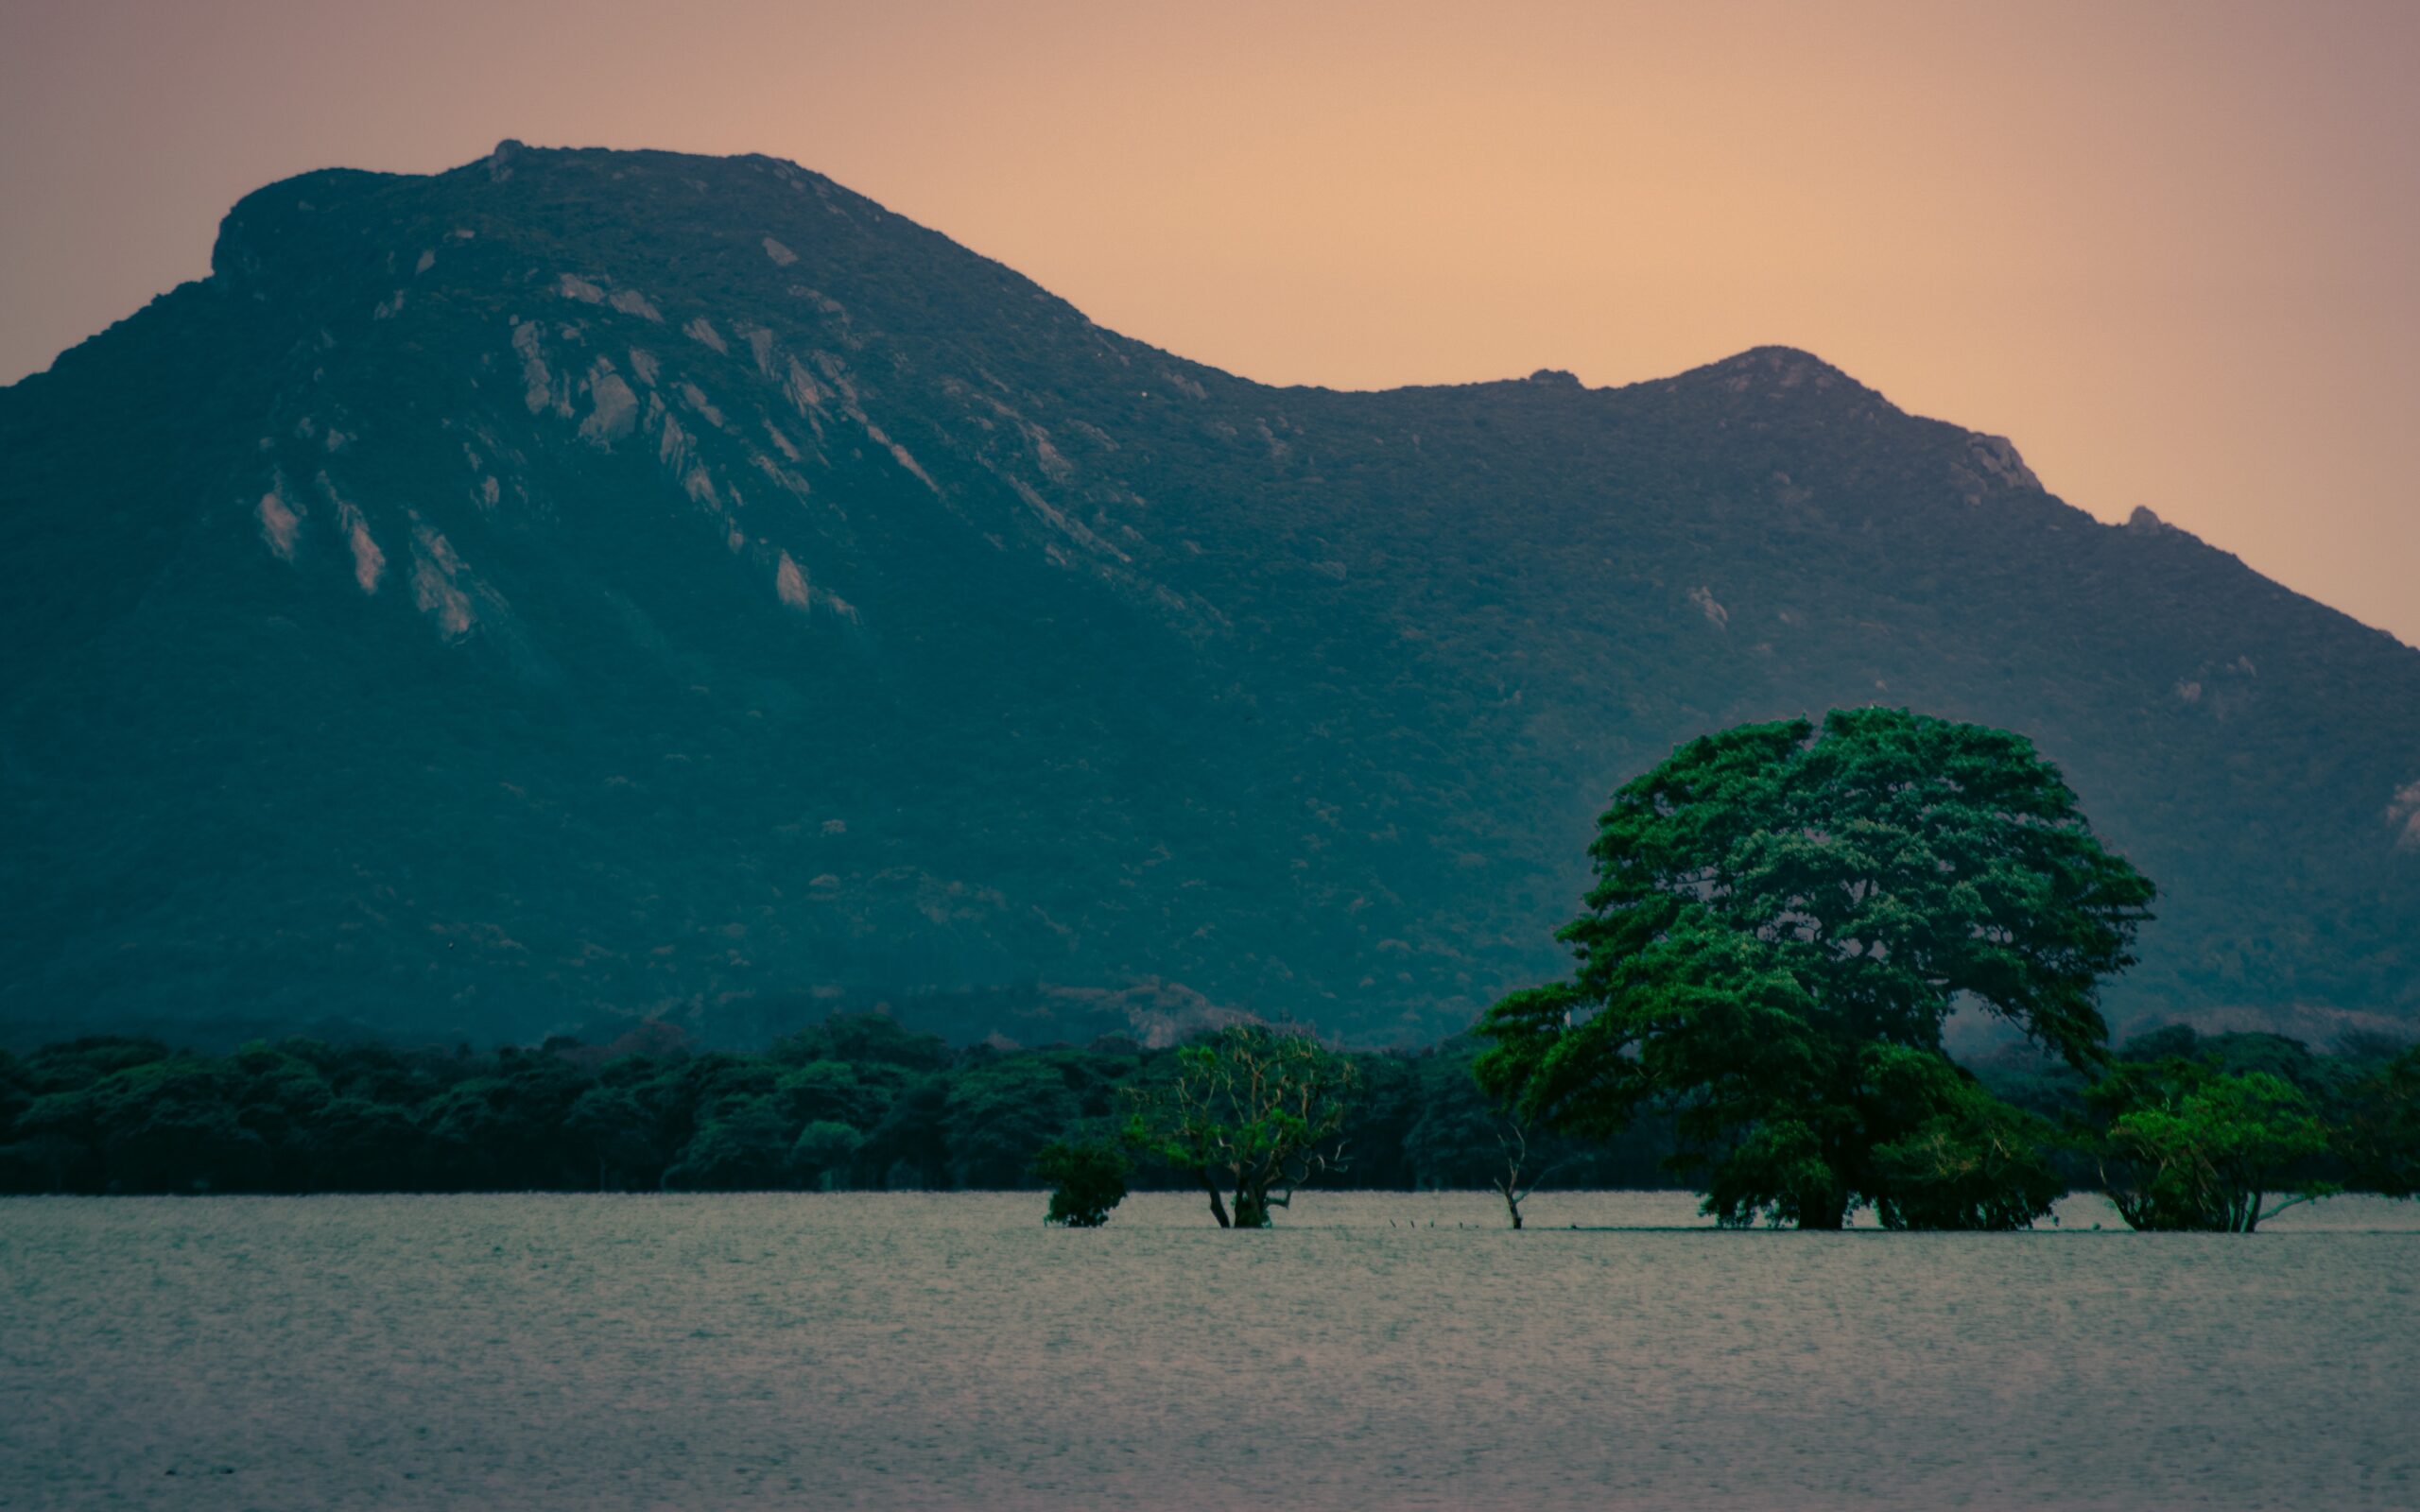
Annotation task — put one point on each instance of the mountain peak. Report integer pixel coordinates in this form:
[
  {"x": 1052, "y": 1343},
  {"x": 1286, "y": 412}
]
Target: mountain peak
[
  {"x": 592, "y": 582},
  {"x": 1780, "y": 368}
]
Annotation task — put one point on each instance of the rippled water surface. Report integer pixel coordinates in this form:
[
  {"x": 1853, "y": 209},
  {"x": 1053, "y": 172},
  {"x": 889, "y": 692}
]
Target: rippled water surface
[{"x": 1377, "y": 1350}]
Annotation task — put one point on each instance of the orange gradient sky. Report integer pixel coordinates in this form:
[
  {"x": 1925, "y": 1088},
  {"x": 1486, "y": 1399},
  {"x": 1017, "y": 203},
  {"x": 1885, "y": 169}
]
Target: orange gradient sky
[{"x": 2173, "y": 250}]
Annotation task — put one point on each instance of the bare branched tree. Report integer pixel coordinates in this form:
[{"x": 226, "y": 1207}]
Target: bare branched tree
[{"x": 1521, "y": 1174}]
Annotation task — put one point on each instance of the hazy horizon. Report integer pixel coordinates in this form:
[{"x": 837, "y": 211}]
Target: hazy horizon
[{"x": 2171, "y": 265}]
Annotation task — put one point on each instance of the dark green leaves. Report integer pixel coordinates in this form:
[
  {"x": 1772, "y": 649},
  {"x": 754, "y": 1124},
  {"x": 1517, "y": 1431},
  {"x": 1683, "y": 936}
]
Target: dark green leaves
[
  {"x": 1250, "y": 1113},
  {"x": 2186, "y": 1147},
  {"x": 1087, "y": 1178},
  {"x": 1772, "y": 905}
]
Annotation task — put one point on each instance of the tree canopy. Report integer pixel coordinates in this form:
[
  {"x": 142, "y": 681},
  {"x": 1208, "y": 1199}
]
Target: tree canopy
[
  {"x": 2187, "y": 1146},
  {"x": 1781, "y": 918},
  {"x": 1087, "y": 1178},
  {"x": 1252, "y": 1111}
]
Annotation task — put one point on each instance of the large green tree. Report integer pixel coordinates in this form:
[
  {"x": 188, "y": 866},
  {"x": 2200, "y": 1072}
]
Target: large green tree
[{"x": 1781, "y": 917}]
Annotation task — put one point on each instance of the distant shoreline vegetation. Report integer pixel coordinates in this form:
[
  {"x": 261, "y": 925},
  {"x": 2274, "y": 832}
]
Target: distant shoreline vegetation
[{"x": 857, "y": 1103}]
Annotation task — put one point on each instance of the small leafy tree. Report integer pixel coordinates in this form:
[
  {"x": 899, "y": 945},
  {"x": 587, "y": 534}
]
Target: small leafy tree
[
  {"x": 1087, "y": 1178},
  {"x": 1774, "y": 907},
  {"x": 1250, "y": 1113},
  {"x": 2185, "y": 1147}
]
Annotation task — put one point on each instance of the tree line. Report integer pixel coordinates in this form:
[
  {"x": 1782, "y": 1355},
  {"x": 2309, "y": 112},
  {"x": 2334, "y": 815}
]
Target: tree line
[
  {"x": 855, "y": 1102},
  {"x": 1784, "y": 919}
]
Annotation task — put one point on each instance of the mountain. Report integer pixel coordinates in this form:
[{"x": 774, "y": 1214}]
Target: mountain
[{"x": 585, "y": 584}]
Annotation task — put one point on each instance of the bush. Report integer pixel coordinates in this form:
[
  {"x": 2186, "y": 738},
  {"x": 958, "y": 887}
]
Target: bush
[{"x": 1087, "y": 1179}]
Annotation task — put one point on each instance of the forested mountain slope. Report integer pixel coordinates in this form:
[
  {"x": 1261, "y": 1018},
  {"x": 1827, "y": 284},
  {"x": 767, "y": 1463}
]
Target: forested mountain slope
[{"x": 588, "y": 583}]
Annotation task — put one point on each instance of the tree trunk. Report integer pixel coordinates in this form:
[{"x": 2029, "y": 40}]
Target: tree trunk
[
  {"x": 1217, "y": 1203},
  {"x": 1511, "y": 1196}
]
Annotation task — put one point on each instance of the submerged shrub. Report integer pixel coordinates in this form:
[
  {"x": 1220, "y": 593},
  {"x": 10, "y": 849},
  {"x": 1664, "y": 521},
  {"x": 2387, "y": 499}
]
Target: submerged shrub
[
  {"x": 1087, "y": 1178},
  {"x": 2187, "y": 1148}
]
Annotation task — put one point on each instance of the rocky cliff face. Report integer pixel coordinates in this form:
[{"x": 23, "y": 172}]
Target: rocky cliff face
[{"x": 592, "y": 582}]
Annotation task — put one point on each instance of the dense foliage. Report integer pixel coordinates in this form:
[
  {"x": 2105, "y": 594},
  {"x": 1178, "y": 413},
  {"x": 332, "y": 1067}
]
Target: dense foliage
[
  {"x": 1252, "y": 1113},
  {"x": 2381, "y": 1139},
  {"x": 2187, "y": 1148},
  {"x": 859, "y": 1103},
  {"x": 1782, "y": 923},
  {"x": 854, "y": 1102},
  {"x": 2200, "y": 1132},
  {"x": 1087, "y": 1179}
]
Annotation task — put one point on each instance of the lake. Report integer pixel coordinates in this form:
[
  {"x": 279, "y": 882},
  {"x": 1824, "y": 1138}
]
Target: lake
[{"x": 1376, "y": 1349}]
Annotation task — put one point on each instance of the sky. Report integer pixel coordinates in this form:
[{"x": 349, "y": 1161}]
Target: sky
[{"x": 2171, "y": 251}]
